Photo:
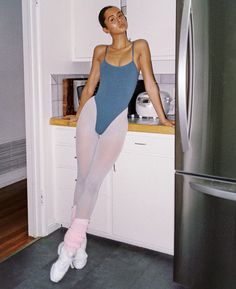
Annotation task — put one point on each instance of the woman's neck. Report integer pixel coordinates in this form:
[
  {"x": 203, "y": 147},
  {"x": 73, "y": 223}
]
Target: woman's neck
[{"x": 120, "y": 41}]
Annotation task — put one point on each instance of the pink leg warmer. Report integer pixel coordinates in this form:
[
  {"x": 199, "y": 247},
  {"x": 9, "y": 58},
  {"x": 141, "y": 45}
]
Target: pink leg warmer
[{"x": 75, "y": 234}]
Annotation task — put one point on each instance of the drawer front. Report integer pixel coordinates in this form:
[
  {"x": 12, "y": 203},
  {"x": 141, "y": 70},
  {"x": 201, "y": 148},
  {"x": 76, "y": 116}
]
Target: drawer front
[
  {"x": 65, "y": 156},
  {"x": 159, "y": 144},
  {"x": 65, "y": 136},
  {"x": 65, "y": 179}
]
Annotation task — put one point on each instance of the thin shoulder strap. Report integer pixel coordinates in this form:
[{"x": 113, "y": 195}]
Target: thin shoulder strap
[
  {"x": 106, "y": 52},
  {"x": 132, "y": 50}
]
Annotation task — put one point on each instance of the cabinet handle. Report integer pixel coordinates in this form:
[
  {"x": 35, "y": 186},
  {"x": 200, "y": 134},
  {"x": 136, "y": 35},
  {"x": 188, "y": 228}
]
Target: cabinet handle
[
  {"x": 75, "y": 180},
  {"x": 75, "y": 157},
  {"x": 114, "y": 167},
  {"x": 140, "y": 143},
  {"x": 75, "y": 137}
]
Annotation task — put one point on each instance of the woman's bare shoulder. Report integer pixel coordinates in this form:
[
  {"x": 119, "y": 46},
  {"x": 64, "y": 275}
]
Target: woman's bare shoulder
[
  {"x": 141, "y": 43},
  {"x": 99, "y": 49}
]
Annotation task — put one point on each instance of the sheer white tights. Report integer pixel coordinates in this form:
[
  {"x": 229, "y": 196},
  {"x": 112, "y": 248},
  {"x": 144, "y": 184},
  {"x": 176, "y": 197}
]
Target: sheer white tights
[{"x": 96, "y": 154}]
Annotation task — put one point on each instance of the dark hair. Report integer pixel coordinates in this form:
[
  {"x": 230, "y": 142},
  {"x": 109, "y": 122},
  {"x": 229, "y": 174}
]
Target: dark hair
[{"x": 101, "y": 17}]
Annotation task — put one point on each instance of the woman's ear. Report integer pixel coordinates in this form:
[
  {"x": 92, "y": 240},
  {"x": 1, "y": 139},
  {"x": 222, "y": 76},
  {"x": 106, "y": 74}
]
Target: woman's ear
[{"x": 105, "y": 30}]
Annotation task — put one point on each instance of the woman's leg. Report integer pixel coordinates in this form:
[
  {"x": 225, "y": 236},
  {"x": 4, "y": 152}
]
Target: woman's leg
[
  {"x": 107, "y": 150},
  {"x": 86, "y": 142},
  {"x": 96, "y": 155}
]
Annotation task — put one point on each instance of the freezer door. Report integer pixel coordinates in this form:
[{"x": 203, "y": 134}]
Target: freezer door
[
  {"x": 206, "y": 88},
  {"x": 205, "y": 233}
]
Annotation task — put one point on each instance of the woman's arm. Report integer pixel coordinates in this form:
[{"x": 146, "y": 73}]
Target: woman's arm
[
  {"x": 149, "y": 81},
  {"x": 92, "y": 81}
]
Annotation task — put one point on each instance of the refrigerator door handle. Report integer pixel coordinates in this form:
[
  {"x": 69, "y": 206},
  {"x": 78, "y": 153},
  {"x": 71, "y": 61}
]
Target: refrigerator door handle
[
  {"x": 212, "y": 191},
  {"x": 182, "y": 75},
  {"x": 191, "y": 73}
]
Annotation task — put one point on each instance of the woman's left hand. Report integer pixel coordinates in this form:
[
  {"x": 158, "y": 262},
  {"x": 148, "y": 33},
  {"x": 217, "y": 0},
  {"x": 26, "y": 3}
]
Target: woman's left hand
[{"x": 168, "y": 122}]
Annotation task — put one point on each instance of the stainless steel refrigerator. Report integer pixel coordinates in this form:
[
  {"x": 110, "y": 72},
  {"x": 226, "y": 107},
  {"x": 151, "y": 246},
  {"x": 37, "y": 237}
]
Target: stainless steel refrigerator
[{"x": 205, "y": 189}]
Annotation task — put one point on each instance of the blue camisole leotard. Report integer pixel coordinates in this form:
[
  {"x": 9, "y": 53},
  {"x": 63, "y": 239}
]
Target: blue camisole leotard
[{"x": 116, "y": 88}]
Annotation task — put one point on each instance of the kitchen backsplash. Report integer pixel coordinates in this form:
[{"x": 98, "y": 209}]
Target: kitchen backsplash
[{"x": 166, "y": 83}]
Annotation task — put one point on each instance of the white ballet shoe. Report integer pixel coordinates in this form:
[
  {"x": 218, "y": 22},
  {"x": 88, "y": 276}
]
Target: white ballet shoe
[
  {"x": 80, "y": 258},
  {"x": 61, "y": 266}
]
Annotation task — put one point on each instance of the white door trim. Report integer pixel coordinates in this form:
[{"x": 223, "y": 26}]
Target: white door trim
[{"x": 33, "y": 119}]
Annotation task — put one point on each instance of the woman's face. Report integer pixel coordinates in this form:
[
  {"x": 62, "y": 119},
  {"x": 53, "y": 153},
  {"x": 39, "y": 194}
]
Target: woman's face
[{"x": 115, "y": 21}]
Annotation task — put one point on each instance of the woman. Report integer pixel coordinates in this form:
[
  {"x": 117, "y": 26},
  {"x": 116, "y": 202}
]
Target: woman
[{"x": 102, "y": 126}]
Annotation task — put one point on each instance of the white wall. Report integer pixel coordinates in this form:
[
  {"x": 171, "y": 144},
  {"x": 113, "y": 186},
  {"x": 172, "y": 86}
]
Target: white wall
[{"x": 12, "y": 114}]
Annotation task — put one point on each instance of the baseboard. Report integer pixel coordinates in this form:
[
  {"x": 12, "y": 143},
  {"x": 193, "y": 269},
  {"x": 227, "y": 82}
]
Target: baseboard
[
  {"x": 12, "y": 177},
  {"x": 146, "y": 245}
]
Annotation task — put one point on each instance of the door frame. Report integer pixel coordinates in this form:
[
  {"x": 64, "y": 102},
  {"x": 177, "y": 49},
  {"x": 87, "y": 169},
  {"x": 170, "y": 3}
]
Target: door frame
[{"x": 33, "y": 119}]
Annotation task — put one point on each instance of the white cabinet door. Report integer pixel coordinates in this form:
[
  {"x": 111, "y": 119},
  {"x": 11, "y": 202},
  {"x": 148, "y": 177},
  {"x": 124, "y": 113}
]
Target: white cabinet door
[
  {"x": 63, "y": 194},
  {"x": 143, "y": 198},
  {"x": 154, "y": 21},
  {"x": 64, "y": 172},
  {"x": 86, "y": 29}
]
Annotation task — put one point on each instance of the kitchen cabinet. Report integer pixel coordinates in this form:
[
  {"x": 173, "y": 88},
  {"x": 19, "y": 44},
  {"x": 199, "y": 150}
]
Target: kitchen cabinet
[
  {"x": 64, "y": 180},
  {"x": 136, "y": 200},
  {"x": 86, "y": 29},
  {"x": 143, "y": 192},
  {"x": 154, "y": 21}
]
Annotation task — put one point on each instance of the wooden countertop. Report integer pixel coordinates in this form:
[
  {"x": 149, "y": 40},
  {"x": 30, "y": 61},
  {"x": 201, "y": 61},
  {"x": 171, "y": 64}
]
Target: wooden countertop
[{"x": 138, "y": 125}]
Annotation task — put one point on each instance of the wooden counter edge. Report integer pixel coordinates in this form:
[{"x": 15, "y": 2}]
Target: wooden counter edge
[{"x": 132, "y": 126}]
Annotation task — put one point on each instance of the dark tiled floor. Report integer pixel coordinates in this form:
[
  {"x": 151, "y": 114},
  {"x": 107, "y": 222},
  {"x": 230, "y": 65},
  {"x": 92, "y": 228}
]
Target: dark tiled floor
[{"x": 111, "y": 265}]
